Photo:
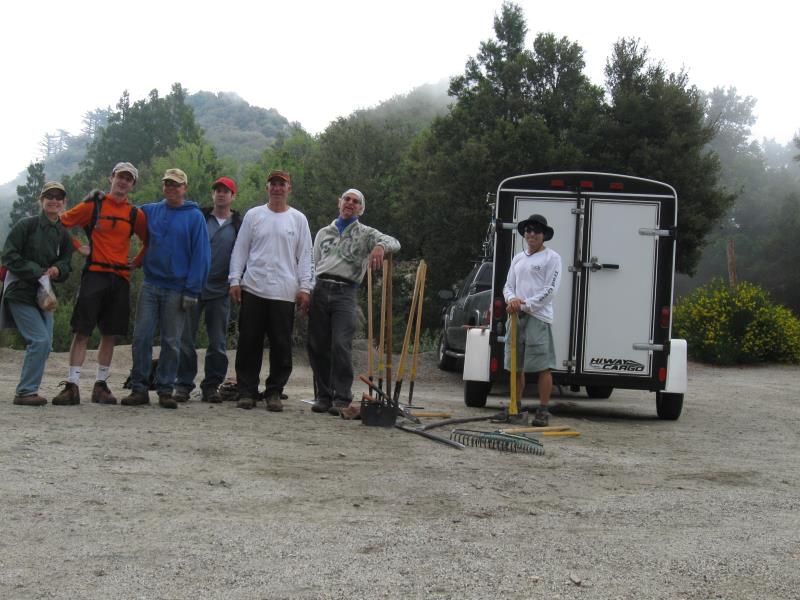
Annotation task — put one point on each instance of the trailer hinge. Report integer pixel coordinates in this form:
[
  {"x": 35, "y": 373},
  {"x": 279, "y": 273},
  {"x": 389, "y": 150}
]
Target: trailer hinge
[
  {"x": 568, "y": 364},
  {"x": 669, "y": 232},
  {"x": 649, "y": 347},
  {"x": 577, "y": 211}
]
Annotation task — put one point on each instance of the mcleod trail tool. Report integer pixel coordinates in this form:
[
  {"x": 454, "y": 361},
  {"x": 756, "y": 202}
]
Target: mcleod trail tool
[
  {"x": 424, "y": 266},
  {"x": 407, "y": 338},
  {"x": 513, "y": 414},
  {"x": 370, "y": 349},
  {"x": 498, "y": 441},
  {"x": 383, "y": 324}
]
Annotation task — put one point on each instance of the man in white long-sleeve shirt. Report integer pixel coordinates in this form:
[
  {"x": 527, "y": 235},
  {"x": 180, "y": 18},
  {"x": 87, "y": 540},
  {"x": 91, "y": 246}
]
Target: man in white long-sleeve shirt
[
  {"x": 533, "y": 280},
  {"x": 271, "y": 272}
]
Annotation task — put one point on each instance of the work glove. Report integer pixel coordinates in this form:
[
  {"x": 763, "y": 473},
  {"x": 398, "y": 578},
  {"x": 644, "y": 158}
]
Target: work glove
[
  {"x": 188, "y": 302},
  {"x": 95, "y": 196}
]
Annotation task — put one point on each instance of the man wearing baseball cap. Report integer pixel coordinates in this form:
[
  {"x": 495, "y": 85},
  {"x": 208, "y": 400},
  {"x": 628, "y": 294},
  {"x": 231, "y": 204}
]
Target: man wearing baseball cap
[
  {"x": 271, "y": 275},
  {"x": 222, "y": 225},
  {"x": 109, "y": 220},
  {"x": 175, "y": 264},
  {"x": 532, "y": 282}
]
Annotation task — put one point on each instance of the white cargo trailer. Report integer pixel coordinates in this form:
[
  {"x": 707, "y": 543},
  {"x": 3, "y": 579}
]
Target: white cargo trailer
[{"x": 613, "y": 312}]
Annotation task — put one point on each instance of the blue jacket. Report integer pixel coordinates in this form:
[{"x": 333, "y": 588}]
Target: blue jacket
[{"x": 178, "y": 254}]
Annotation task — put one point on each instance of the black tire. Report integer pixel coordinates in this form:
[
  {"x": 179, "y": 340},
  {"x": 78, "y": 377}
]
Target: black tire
[
  {"x": 599, "y": 391},
  {"x": 669, "y": 406},
  {"x": 475, "y": 393},
  {"x": 445, "y": 363}
]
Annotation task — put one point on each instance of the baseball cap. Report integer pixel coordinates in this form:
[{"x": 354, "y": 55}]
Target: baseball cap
[
  {"x": 52, "y": 185},
  {"x": 125, "y": 167},
  {"x": 280, "y": 175},
  {"x": 227, "y": 182},
  {"x": 175, "y": 175}
]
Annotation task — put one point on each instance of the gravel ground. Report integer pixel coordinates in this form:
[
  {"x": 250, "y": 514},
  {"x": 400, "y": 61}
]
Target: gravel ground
[{"x": 210, "y": 501}]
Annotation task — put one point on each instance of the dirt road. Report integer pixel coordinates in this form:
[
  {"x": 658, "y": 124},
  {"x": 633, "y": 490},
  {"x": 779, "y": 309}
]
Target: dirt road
[{"x": 210, "y": 501}]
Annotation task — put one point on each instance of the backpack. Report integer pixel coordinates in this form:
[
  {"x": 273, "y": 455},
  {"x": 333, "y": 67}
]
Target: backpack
[{"x": 97, "y": 197}]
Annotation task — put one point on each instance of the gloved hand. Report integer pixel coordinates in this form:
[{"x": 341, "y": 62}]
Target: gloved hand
[
  {"x": 95, "y": 195},
  {"x": 188, "y": 302}
]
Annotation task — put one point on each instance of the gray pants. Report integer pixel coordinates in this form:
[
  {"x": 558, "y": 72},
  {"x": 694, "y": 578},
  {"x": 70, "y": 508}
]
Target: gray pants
[{"x": 331, "y": 327}]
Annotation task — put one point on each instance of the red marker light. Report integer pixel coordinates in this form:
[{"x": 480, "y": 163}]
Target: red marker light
[
  {"x": 589, "y": 185},
  {"x": 493, "y": 365},
  {"x": 616, "y": 185},
  {"x": 662, "y": 374},
  {"x": 557, "y": 183},
  {"x": 664, "y": 320}
]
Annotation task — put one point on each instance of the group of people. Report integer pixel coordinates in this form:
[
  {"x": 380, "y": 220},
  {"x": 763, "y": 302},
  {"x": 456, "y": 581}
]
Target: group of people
[{"x": 195, "y": 260}]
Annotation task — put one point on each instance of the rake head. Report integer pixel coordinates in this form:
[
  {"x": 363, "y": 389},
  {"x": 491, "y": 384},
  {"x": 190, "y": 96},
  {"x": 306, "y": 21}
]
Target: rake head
[{"x": 498, "y": 441}]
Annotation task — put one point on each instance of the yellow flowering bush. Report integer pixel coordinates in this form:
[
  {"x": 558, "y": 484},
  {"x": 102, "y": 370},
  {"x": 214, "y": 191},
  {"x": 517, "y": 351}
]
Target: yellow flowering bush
[{"x": 724, "y": 325}]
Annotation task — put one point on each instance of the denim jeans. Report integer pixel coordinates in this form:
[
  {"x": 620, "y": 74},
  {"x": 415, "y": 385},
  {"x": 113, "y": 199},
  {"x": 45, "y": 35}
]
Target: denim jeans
[
  {"x": 36, "y": 328},
  {"x": 157, "y": 307},
  {"x": 331, "y": 327},
  {"x": 217, "y": 311}
]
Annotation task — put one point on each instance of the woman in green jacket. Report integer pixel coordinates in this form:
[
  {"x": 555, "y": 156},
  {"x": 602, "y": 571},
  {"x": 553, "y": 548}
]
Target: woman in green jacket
[{"x": 36, "y": 247}]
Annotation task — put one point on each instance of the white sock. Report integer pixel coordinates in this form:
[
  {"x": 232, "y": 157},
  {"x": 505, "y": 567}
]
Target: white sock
[
  {"x": 74, "y": 375},
  {"x": 102, "y": 372}
]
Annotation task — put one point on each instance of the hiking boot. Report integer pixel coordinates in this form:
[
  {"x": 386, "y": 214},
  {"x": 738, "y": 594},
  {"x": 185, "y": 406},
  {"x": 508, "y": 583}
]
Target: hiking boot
[
  {"x": 30, "y": 400},
  {"x": 274, "y": 403},
  {"x": 211, "y": 394},
  {"x": 136, "y": 398},
  {"x": 181, "y": 394},
  {"x": 245, "y": 402},
  {"x": 541, "y": 418},
  {"x": 68, "y": 396},
  {"x": 167, "y": 401},
  {"x": 101, "y": 394},
  {"x": 337, "y": 405},
  {"x": 320, "y": 406}
]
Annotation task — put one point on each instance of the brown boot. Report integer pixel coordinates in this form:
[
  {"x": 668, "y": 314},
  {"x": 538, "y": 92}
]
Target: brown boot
[
  {"x": 167, "y": 401},
  {"x": 136, "y": 398},
  {"x": 274, "y": 403},
  {"x": 101, "y": 394},
  {"x": 245, "y": 402},
  {"x": 30, "y": 400},
  {"x": 68, "y": 396}
]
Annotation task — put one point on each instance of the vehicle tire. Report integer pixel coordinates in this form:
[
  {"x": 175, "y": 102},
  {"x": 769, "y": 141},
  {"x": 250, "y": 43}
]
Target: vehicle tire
[
  {"x": 445, "y": 363},
  {"x": 475, "y": 393},
  {"x": 599, "y": 391},
  {"x": 669, "y": 406}
]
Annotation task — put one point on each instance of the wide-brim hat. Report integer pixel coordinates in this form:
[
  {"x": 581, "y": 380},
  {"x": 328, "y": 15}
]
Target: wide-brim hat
[{"x": 539, "y": 220}]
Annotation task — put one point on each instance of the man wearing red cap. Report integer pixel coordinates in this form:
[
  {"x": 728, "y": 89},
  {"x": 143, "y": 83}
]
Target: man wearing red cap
[
  {"x": 271, "y": 274},
  {"x": 223, "y": 227}
]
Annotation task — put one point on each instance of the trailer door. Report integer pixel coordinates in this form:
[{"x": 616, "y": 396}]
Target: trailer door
[{"x": 620, "y": 267}]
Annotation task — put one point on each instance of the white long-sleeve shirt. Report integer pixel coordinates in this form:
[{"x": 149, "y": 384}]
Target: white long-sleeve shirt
[
  {"x": 534, "y": 279},
  {"x": 272, "y": 255}
]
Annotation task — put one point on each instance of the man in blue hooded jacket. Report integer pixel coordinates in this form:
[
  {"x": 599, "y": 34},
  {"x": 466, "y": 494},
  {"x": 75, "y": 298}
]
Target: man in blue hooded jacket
[{"x": 176, "y": 260}]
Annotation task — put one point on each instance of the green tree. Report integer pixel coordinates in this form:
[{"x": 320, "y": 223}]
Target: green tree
[
  {"x": 27, "y": 202},
  {"x": 655, "y": 127}
]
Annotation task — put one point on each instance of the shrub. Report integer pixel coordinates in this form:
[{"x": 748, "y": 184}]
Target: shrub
[{"x": 725, "y": 325}]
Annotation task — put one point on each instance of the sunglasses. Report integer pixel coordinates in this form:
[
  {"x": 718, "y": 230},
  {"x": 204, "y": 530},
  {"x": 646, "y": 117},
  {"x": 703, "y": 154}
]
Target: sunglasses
[
  {"x": 51, "y": 196},
  {"x": 534, "y": 229},
  {"x": 171, "y": 184}
]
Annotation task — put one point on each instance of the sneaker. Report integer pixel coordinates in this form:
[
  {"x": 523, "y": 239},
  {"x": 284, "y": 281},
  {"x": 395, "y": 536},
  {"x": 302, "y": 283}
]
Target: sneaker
[
  {"x": 167, "y": 401},
  {"x": 101, "y": 394},
  {"x": 68, "y": 396},
  {"x": 541, "y": 418},
  {"x": 211, "y": 394},
  {"x": 320, "y": 406},
  {"x": 245, "y": 402},
  {"x": 136, "y": 398},
  {"x": 337, "y": 405},
  {"x": 274, "y": 403},
  {"x": 30, "y": 400},
  {"x": 181, "y": 394}
]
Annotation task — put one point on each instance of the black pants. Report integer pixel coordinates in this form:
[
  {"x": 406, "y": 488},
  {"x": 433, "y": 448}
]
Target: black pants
[{"x": 259, "y": 317}]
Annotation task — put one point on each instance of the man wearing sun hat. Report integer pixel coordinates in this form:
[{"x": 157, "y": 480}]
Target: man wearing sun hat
[
  {"x": 532, "y": 282},
  {"x": 176, "y": 261},
  {"x": 223, "y": 225},
  {"x": 271, "y": 276}
]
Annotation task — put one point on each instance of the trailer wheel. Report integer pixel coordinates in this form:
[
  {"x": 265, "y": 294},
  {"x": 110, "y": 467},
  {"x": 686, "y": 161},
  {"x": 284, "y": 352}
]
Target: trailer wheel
[
  {"x": 445, "y": 362},
  {"x": 475, "y": 393},
  {"x": 669, "y": 406},
  {"x": 599, "y": 391}
]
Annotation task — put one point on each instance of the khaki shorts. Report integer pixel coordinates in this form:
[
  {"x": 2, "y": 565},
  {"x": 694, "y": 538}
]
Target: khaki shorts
[{"x": 535, "y": 348}]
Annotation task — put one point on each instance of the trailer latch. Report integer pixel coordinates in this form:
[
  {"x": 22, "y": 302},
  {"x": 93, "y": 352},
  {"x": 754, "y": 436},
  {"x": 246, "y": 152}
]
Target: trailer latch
[{"x": 596, "y": 265}]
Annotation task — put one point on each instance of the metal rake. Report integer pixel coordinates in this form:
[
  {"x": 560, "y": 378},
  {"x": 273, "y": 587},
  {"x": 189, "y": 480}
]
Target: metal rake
[{"x": 505, "y": 442}]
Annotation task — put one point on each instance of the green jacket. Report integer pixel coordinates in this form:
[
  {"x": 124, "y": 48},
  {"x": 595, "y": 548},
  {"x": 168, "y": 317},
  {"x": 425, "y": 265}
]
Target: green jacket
[{"x": 34, "y": 245}]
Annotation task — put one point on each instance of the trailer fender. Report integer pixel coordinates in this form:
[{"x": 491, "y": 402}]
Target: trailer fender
[
  {"x": 677, "y": 375},
  {"x": 477, "y": 355}
]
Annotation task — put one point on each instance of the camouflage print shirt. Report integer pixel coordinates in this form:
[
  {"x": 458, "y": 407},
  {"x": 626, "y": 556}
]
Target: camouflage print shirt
[{"x": 346, "y": 255}]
